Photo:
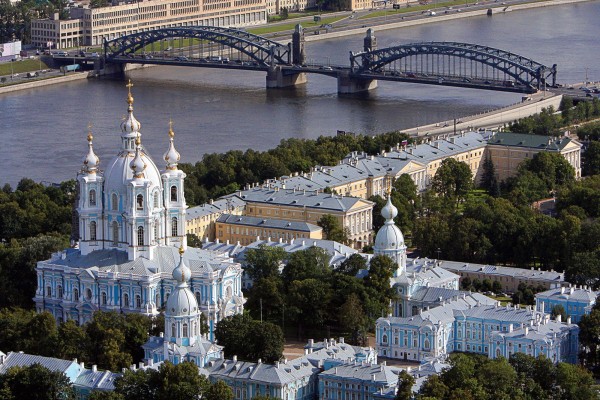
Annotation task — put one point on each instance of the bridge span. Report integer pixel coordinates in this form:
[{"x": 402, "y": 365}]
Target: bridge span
[{"x": 434, "y": 63}]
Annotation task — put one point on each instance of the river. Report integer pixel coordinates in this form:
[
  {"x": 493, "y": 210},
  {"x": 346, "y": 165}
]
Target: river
[{"x": 43, "y": 130}]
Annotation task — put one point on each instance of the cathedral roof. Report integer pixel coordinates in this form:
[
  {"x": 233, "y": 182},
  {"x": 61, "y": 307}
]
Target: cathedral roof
[{"x": 389, "y": 237}]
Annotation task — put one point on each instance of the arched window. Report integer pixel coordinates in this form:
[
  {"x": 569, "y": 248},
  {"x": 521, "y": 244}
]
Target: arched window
[
  {"x": 498, "y": 353},
  {"x": 198, "y": 297},
  {"x": 126, "y": 300},
  {"x": 115, "y": 233},
  {"x": 48, "y": 291},
  {"x": 157, "y": 300},
  {"x": 140, "y": 236},
  {"x": 75, "y": 294},
  {"x": 140, "y": 202},
  {"x": 194, "y": 327},
  {"x": 59, "y": 289},
  {"x": 228, "y": 292},
  {"x": 88, "y": 294},
  {"x": 92, "y": 197},
  {"x": 104, "y": 298},
  {"x": 185, "y": 330},
  {"x": 115, "y": 202},
  {"x": 93, "y": 230},
  {"x": 173, "y": 330},
  {"x": 156, "y": 203},
  {"x": 384, "y": 339},
  {"x": 174, "y": 226},
  {"x": 138, "y": 301},
  {"x": 426, "y": 344},
  {"x": 173, "y": 193}
]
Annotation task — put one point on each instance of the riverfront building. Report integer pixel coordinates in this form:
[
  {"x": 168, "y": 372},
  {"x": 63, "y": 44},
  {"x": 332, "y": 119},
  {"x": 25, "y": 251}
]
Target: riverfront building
[
  {"x": 91, "y": 26},
  {"x": 131, "y": 222}
]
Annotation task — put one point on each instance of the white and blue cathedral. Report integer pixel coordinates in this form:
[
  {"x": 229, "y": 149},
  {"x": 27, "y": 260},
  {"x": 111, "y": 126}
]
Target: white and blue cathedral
[{"x": 131, "y": 222}]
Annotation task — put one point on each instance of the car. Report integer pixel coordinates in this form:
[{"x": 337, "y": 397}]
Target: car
[
  {"x": 169, "y": 48},
  {"x": 326, "y": 68},
  {"x": 181, "y": 58},
  {"x": 488, "y": 82},
  {"x": 467, "y": 80},
  {"x": 411, "y": 75}
]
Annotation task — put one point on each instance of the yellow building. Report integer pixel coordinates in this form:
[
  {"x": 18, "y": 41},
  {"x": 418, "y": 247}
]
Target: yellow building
[
  {"x": 200, "y": 220},
  {"x": 507, "y": 150},
  {"x": 245, "y": 230},
  {"x": 354, "y": 214}
]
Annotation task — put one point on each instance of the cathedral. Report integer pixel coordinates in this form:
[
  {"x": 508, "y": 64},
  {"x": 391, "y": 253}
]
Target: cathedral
[{"x": 131, "y": 222}]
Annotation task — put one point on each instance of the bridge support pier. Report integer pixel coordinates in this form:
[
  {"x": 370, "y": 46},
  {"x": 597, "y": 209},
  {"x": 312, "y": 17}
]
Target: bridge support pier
[
  {"x": 276, "y": 78},
  {"x": 348, "y": 84}
]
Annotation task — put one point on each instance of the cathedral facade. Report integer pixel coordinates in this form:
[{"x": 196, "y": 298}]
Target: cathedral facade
[{"x": 131, "y": 222}]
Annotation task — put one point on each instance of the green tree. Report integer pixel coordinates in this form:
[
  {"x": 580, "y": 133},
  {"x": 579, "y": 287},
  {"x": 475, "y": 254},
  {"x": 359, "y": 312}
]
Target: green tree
[
  {"x": 405, "y": 384},
  {"x": 381, "y": 269},
  {"x": 72, "y": 341},
  {"x": 302, "y": 308},
  {"x": 284, "y": 13},
  {"x": 304, "y": 264},
  {"x": 352, "y": 265},
  {"x": 453, "y": 180},
  {"x": 489, "y": 180},
  {"x": 559, "y": 310},
  {"x": 105, "y": 395},
  {"x": 332, "y": 229},
  {"x": 35, "y": 382},
  {"x": 352, "y": 318},
  {"x": 194, "y": 241},
  {"x": 263, "y": 262},
  {"x": 591, "y": 159},
  {"x": 219, "y": 391}
]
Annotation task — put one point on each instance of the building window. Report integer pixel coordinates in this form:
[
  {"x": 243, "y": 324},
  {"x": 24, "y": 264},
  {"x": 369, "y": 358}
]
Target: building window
[
  {"x": 156, "y": 203},
  {"x": 93, "y": 230},
  {"x": 115, "y": 233},
  {"x": 138, "y": 301},
  {"x": 140, "y": 236},
  {"x": 115, "y": 202},
  {"x": 75, "y": 294},
  {"x": 48, "y": 291},
  {"x": 88, "y": 294},
  {"x": 140, "y": 202},
  {"x": 173, "y": 193},
  {"x": 59, "y": 289},
  {"x": 174, "y": 226},
  {"x": 126, "y": 300},
  {"x": 198, "y": 298},
  {"x": 92, "y": 198},
  {"x": 104, "y": 298},
  {"x": 173, "y": 330},
  {"x": 156, "y": 232},
  {"x": 185, "y": 330}
]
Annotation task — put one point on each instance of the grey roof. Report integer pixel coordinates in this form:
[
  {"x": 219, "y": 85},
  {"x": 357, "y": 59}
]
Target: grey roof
[
  {"x": 97, "y": 380},
  {"x": 537, "y": 142},
  {"x": 221, "y": 205},
  {"x": 16, "y": 359},
  {"x": 200, "y": 262},
  {"x": 394, "y": 165},
  {"x": 570, "y": 293},
  {"x": 268, "y": 223},
  {"x": 300, "y": 182},
  {"x": 546, "y": 276},
  {"x": 301, "y": 199},
  {"x": 375, "y": 374},
  {"x": 438, "y": 295},
  {"x": 544, "y": 331},
  {"x": 428, "y": 271},
  {"x": 279, "y": 374},
  {"x": 497, "y": 313}
]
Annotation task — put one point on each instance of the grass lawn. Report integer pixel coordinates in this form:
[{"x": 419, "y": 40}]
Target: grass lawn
[{"x": 21, "y": 66}]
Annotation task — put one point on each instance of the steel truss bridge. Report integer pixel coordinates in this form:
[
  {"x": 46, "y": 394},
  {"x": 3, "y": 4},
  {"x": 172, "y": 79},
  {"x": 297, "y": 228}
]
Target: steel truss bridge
[{"x": 437, "y": 63}]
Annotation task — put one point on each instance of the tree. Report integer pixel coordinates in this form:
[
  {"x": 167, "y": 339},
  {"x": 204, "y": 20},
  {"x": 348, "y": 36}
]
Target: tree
[
  {"x": 284, "y": 13},
  {"x": 352, "y": 318},
  {"x": 105, "y": 395},
  {"x": 301, "y": 305},
  {"x": 453, "y": 180},
  {"x": 72, "y": 341},
  {"x": 219, "y": 391},
  {"x": 35, "y": 382},
  {"x": 332, "y": 228},
  {"x": 559, "y": 310},
  {"x": 249, "y": 339},
  {"x": 489, "y": 180},
  {"x": 381, "y": 269},
  {"x": 591, "y": 159},
  {"x": 405, "y": 384},
  {"x": 194, "y": 241},
  {"x": 305, "y": 264},
  {"x": 352, "y": 265},
  {"x": 263, "y": 262}
]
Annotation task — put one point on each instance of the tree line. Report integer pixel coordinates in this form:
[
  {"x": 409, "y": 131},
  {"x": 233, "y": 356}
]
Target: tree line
[{"x": 311, "y": 297}]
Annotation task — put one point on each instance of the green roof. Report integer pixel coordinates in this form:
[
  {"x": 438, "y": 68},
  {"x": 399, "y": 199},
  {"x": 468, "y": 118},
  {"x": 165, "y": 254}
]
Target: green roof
[{"x": 538, "y": 142}]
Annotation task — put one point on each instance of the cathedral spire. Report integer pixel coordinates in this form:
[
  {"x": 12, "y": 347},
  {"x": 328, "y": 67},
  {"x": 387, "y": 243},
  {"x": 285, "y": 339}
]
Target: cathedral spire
[
  {"x": 137, "y": 164},
  {"x": 91, "y": 160},
  {"x": 171, "y": 156},
  {"x": 130, "y": 127}
]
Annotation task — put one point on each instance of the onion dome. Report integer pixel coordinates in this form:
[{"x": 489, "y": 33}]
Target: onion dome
[
  {"x": 389, "y": 237},
  {"x": 137, "y": 164},
  {"x": 181, "y": 301},
  {"x": 171, "y": 156},
  {"x": 130, "y": 127},
  {"x": 91, "y": 160}
]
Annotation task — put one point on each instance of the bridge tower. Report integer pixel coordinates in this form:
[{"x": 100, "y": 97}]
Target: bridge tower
[
  {"x": 298, "y": 52},
  {"x": 349, "y": 84}
]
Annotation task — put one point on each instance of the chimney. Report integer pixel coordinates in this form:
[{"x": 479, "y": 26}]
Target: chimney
[
  {"x": 559, "y": 318},
  {"x": 341, "y": 340},
  {"x": 234, "y": 358},
  {"x": 568, "y": 320},
  {"x": 140, "y": 365},
  {"x": 95, "y": 368},
  {"x": 526, "y": 330}
]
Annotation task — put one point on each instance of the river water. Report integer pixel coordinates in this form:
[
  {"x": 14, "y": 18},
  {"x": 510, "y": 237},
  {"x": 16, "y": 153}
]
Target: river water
[{"x": 43, "y": 130}]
